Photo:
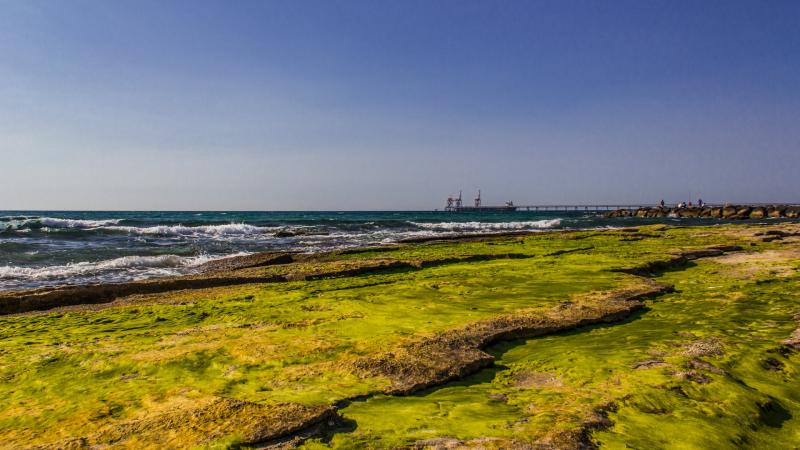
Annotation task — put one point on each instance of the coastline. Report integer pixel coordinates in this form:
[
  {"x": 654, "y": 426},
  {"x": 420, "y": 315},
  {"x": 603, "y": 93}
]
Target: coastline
[
  {"x": 227, "y": 271},
  {"x": 289, "y": 360},
  {"x": 231, "y": 271},
  {"x": 46, "y": 249}
]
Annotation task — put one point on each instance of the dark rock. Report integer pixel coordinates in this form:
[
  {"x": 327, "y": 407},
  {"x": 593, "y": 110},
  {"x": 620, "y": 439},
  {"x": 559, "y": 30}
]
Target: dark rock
[
  {"x": 649, "y": 363},
  {"x": 772, "y": 364},
  {"x": 743, "y": 212},
  {"x": 699, "y": 364},
  {"x": 693, "y": 376}
]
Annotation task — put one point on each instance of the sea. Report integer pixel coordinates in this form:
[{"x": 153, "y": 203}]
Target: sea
[{"x": 54, "y": 248}]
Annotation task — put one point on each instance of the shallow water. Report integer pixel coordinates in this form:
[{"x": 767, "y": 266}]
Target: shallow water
[{"x": 47, "y": 248}]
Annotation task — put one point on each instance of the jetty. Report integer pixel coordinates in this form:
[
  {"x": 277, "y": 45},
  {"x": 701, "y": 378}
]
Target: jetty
[
  {"x": 643, "y": 210},
  {"x": 726, "y": 211}
]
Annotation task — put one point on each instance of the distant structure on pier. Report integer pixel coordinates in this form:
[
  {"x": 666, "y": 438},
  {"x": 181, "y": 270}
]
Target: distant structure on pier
[{"x": 455, "y": 204}]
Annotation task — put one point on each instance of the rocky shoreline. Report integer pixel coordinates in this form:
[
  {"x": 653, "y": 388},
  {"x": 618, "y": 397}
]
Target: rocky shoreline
[{"x": 728, "y": 211}]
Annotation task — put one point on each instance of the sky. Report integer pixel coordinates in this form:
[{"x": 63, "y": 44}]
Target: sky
[{"x": 391, "y": 105}]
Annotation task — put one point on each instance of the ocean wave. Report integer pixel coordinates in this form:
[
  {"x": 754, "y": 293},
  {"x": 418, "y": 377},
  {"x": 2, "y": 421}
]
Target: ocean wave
[
  {"x": 208, "y": 230},
  {"x": 489, "y": 226},
  {"x": 27, "y": 223},
  {"x": 58, "y": 240},
  {"x": 245, "y": 230},
  {"x": 51, "y": 224},
  {"x": 131, "y": 267}
]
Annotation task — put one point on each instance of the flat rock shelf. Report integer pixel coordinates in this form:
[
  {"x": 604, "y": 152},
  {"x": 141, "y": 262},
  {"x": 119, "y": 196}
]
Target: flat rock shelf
[{"x": 642, "y": 337}]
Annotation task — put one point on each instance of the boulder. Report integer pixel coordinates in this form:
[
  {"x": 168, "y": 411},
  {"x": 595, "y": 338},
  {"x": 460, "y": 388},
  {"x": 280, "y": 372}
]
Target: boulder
[
  {"x": 641, "y": 212},
  {"x": 793, "y": 212},
  {"x": 776, "y": 211},
  {"x": 743, "y": 212},
  {"x": 758, "y": 213},
  {"x": 728, "y": 211},
  {"x": 715, "y": 213}
]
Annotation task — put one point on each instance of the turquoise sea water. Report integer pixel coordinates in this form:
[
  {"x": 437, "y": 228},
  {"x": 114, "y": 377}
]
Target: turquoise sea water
[{"x": 47, "y": 248}]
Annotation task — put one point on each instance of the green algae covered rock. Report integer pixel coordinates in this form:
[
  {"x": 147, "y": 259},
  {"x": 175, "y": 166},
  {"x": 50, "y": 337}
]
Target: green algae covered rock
[{"x": 546, "y": 339}]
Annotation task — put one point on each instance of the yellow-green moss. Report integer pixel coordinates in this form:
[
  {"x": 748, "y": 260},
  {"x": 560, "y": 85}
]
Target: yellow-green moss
[{"x": 78, "y": 372}]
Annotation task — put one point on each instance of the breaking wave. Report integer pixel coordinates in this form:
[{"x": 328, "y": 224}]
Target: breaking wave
[
  {"x": 22, "y": 223},
  {"x": 490, "y": 226},
  {"x": 50, "y": 249},
  {"x": 208, "y": 230},
  {"x": 124, "y": 268},
  {"x": 46, "y": 224}
]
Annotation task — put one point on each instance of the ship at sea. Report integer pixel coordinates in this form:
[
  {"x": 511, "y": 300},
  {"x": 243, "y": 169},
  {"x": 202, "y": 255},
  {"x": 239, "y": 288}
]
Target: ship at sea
[{"x": 455, "y": 204}]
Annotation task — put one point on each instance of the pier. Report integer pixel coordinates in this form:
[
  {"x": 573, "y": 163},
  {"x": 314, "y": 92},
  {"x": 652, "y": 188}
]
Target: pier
[
  {"x": 571, "y": 207},
  {"x": 456, "y": 204},
  {"x": 583, "y": 207}
]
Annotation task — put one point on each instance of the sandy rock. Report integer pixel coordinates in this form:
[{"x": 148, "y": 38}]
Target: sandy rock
[
  {"x": 728, "y": 211},
  {"x": 758, "y": 213},
  {"x": 776, "y": 211}
]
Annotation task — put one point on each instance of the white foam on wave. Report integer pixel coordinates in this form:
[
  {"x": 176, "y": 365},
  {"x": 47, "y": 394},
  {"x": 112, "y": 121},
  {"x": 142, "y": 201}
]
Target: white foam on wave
[
  {"x": 236, "y": 236},
  {"x": 117, "y": 269},
  {"x": 489, "y": 226},
  {"x": 229, "y": 229},
  {"x": 56, "y": 222}
]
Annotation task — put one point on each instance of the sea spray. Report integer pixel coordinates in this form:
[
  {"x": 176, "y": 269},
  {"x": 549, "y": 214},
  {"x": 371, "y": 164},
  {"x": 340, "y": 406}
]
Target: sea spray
[
  {"x": 117, "y": 269},
  {"x": 47, "y": 248}
]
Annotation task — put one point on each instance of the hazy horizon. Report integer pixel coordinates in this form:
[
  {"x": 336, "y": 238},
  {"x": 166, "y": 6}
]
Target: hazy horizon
[{"x": 352, "y": 105}]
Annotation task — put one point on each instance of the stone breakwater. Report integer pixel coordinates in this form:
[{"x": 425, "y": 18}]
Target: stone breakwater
[{"x": 727, "y": 211}]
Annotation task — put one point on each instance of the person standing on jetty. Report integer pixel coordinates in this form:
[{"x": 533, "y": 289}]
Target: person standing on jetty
[{"x": 662, "y": 203}]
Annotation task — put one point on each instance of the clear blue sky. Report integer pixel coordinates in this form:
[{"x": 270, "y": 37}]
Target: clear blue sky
[{"x": 395, "y": 104}]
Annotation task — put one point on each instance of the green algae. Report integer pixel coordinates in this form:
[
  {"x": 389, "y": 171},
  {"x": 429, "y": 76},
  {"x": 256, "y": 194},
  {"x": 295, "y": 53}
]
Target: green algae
[
  {"x": 701, "y": 368},
  {"x": 69, "y": 374}
]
